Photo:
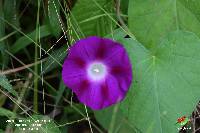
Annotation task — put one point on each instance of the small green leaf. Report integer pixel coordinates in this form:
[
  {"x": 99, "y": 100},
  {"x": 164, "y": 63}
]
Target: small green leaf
[
  {"x": 47, "y": 125},
  {"x": 6, "y": 85}
]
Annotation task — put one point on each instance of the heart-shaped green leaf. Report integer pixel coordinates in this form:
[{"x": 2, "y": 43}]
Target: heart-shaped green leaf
[{"x": 167, "y": 82}]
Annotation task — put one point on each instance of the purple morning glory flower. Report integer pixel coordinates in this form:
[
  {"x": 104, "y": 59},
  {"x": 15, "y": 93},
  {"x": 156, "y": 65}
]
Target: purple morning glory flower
[{"x": 98, "y": 71}]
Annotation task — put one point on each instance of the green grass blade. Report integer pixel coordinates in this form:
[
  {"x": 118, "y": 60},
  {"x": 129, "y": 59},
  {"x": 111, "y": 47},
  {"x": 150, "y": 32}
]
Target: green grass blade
[
  {"x": 5, "y": 112},
  {"x": 6, "y": 85},
  {"x": 3, "y": 56},
  {"x": 54, "y": 17},
  {"x": 59, "y": 55},
  {"x": 24, "y": 41},
  {"x": 11, "y": 11}
]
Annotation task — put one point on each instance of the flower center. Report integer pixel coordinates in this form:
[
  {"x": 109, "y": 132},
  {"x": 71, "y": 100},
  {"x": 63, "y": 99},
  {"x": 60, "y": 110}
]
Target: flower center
[{"x": 97, "y": 71}]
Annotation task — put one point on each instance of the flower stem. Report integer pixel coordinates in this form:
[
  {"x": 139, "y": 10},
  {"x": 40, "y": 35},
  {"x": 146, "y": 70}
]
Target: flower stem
[{"x": 35, "y": 97}]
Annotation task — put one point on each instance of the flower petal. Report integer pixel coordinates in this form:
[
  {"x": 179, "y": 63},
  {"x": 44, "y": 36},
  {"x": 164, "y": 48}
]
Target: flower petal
[
  {"x": 92, "y": 97},
  {"x": 72, "y": 74}
]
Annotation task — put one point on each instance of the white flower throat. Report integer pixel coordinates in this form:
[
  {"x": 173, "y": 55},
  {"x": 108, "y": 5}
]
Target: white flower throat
[{"x": 97, "y": 71}]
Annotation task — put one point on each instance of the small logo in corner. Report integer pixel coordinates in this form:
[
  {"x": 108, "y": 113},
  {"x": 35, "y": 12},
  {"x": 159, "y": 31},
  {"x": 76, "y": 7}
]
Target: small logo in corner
[{"x": 181, "y": 122}]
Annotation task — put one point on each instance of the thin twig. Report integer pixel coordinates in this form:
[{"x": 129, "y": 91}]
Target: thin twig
[
  {"x": 197, "y": 130},
  {"x": 88, "y": 118},
  {"x": 7, "y": 36},
  {"x": 9, "y": 71},
  {"x": 76, "y": 109},
  {"x": 23, "y": 91},
  {"x": 121, "y": 21},
  {"x": 193, "y": 122},
  {"x": 73, "y": 122}
]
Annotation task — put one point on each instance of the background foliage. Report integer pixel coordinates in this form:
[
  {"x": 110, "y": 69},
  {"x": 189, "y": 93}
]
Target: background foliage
[{"x": 161, "y": 38}]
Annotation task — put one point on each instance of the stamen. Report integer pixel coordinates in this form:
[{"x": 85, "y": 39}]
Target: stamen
[{"x": 97, "y": 71}]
